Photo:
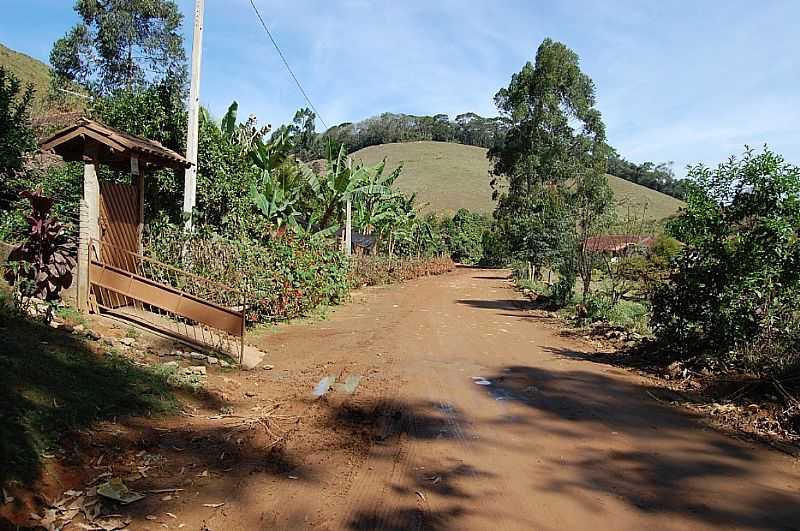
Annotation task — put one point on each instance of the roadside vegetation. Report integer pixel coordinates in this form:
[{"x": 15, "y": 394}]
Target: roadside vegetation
[
  {"x": 708, "y": 297},
  {"x": 714, "y": 290}
]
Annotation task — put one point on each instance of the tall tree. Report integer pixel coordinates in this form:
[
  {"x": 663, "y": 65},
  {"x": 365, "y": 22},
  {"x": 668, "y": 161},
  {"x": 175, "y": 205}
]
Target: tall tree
[
  {"x": 121, "y": 44},
  {"x": 16, "y": 135},
  {"x": 552, "y": 162}
]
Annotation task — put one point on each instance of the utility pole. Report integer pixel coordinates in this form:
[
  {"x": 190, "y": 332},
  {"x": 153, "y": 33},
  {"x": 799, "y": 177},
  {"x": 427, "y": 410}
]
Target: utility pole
[
  {"x": 190, "y": 174},
  {"x": 348, "y": 231}
]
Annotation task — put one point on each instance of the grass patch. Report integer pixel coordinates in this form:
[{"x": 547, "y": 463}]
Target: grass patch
[
  {"x": 71, "y": 316},
  {"x": 449, "y": 176},
  {"x": 51, "y": 384}
]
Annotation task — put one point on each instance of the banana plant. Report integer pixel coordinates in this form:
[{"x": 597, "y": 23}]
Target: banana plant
[{"x": 276, "y": 201}]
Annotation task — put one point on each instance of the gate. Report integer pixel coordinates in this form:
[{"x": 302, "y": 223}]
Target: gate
[
  {"x": 167, "y": 299},
  {"x": 120, "y": 219}
]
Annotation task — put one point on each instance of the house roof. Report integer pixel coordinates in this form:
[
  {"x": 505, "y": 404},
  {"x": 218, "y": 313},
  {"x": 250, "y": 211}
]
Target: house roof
[
  {"x": 88, "y": 140},
  {"x": 617, "y": 242}
]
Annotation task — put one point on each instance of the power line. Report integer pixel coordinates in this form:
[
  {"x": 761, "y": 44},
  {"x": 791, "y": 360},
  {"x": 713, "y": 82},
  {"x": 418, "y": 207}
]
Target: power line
[{"x": 286, "y": 64}]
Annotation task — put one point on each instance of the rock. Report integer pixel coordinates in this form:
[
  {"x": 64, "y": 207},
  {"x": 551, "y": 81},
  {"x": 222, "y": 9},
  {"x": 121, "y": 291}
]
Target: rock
[
  {"x": 176, "y": 353},
  {"x": 674, "y": 370},
  {"x": 91, "y": 334},
  {"x": 224, "y": 364},
  {"x": 197, "y": 369},
  {"x": 198, "y": 356},
  {"x": 54, "y": 324},
  {"x": 108, "y": 341},
  {"x": 249, "y": 394},
  {"x": 67, "y": 328},
  {"x": 268, "y": 367},
  {"x": 78, "y": 328},
  {"x": 211, "y": 360},
  {"x": 171, "y": 364},
  {"x": 127, "y": 341}
]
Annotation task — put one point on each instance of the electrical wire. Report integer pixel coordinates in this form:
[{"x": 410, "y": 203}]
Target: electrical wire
[{"x": 286, "y": 64}]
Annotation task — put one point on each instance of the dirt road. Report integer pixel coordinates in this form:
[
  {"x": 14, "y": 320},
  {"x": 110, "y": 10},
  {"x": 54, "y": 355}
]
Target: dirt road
[{"x": 472, "y": 414}]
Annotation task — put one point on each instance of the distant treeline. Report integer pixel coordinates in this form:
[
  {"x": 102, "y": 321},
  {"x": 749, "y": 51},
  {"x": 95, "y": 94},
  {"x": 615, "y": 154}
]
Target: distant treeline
[
  {"x": 658, "y": 177},
  {"x": 469, "y": 129}
]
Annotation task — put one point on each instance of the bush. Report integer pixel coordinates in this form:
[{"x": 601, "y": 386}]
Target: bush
[
  {"x": 281, "y": 278},
  {"x": 379, "y": 270},
  {"x": 736, "y": 285},
  {"x": 464, "y": 236}
]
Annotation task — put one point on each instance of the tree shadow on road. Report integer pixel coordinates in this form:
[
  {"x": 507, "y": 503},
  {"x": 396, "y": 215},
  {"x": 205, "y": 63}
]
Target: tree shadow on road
[
  {"x": 667, "y": 465},
  {"x": 508, "y": 305}
]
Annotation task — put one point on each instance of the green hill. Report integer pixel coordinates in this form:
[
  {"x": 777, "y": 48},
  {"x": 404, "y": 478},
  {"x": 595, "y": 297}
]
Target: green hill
[
  {"x": 28, "y": 70},
  {"x": 450, "y": 176}
]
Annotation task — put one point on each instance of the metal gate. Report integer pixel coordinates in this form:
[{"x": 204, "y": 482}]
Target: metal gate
[
  {"x": 120, "y": 222},
  {"x": 167, "y": 299}
]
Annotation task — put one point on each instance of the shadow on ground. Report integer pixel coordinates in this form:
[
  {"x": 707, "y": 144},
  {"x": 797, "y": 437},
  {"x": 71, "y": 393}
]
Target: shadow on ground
[
  {"x": 61, "y": 401},
  {"x": 669, "y": 466}
]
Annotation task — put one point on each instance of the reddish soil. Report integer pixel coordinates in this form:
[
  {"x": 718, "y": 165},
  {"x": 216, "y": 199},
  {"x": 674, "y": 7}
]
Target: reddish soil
[{"x": 471, "y": 413}]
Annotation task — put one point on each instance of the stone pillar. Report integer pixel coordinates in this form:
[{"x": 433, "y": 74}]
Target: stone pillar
[{"x": 89, "y": 230}]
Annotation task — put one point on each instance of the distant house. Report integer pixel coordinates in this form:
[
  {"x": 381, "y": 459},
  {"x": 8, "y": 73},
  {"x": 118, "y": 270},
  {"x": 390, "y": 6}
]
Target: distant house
[{"x": 618, "y": 243}]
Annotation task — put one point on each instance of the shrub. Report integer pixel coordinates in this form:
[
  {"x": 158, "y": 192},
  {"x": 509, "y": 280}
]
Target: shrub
[
  {"x": 464, "y": 235},
  {"x": 736, "y": 284},
  {"x": 378, "y": 270},
  {"x": 281, "y": 278},
  {"x": 42, "y": 265}
]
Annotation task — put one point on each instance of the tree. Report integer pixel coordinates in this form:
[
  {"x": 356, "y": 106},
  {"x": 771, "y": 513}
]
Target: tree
[
  {"x": 16, "y": 135},
  {"x": 121, "y": 44},
  {"x": 303, "y": 127},
  {"x": 735, "y": 287},
  {"x": 464, "y": 235},
  {"x": 552, "y": 162},
  {"x": 156, "y": 112}
]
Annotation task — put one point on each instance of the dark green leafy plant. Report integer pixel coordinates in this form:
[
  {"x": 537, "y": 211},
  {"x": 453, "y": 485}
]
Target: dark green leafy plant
[{"x": 42, "y": 266}]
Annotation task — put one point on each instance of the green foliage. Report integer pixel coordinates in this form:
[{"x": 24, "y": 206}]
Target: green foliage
[
  {"x": 468, "y": 128},
  {"x": 464, "y": 236},
  {"x": 736, "y": 284},
  {"x": 281, "y": 277},
  {"x": 16, "y": 136},
  {"x": 630, "y": 315},
  {"x": 549, "y": 174},
  {"x": 155, "y": 112},
  {"x": 63, "y": 182},
  {"x": 658, "y": 177},
  {"x": 121, "y": 44}
]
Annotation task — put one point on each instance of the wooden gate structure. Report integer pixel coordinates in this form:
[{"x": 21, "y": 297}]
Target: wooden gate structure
[{"x": 113, "y": 273}]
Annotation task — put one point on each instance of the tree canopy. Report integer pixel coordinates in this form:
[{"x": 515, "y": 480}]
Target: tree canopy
[
  {"x": 549, "y": 174},
  {"x": 121, "y": 44}
]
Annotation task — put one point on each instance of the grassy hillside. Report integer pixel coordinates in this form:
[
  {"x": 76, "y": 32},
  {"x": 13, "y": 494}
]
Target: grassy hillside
[
  {"x": 28, "y": 70},
  {"x": 452, "y": 176}
]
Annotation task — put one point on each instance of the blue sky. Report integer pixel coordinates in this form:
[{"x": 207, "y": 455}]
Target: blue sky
[{"x": 687, "y": 81}]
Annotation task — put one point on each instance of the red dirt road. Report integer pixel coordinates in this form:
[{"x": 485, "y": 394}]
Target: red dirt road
[{"x": 547, "y": 439}]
